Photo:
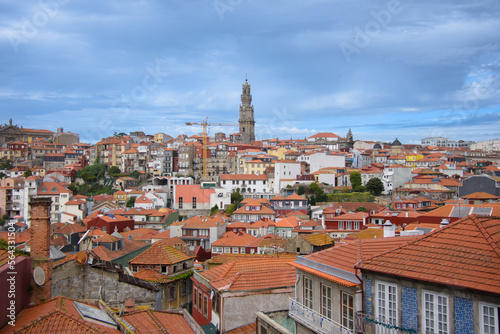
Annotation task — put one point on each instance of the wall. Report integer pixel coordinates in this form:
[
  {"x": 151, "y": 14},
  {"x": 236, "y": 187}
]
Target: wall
[
  {"x": 463, "y": 304},
  {"x": 84, "y": 282},
  {"x": 239, "y": 310}
]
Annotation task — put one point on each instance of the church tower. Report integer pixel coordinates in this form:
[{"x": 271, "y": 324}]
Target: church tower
[{"x": 246, "y": 120}]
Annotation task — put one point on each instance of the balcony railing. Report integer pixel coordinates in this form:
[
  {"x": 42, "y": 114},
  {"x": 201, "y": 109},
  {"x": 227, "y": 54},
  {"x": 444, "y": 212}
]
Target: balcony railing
[
  {"x": 314, "y": 320},
  {"x": 370, "y": 325}
]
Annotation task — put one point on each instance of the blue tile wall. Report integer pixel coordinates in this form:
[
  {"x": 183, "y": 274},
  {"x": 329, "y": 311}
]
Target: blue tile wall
[
  {"x": 409, "y": 301},
  {"x": 464, "y": 321},
  {"x": 368, "y": 296}
]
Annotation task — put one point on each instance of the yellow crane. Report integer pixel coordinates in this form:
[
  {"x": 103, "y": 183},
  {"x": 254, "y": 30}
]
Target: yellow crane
[{"x": 205, "y": 125}]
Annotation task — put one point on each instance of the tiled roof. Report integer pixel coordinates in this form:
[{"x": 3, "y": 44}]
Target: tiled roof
[
  {"x": 345, "y": 256},
  {"x": 155, "y": 321},
  {"x": 247, "y": 329},
  {"x": 70, "y": 228},
  {"x": 318, "y": 239},
  {"x": 240, "y": 240},
  {"x": 57, "y": 315},
  {"x": 160, "y": 253},
  {"x": 480, "y": 195},
  {"x": 244, "y": 275},
  {"x": 464, "y": 254},
  {"x": 264, "y": 210},
  {"x": 225, "y": 258},
  {"x": 151, "y": 275}
]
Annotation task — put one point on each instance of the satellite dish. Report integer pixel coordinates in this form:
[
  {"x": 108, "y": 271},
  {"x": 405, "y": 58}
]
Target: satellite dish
[{"x": 39, "y": 276}]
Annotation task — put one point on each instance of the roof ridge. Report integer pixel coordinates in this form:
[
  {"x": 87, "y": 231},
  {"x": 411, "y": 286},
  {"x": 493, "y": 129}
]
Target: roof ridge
[{"x": 487, "y": 236}]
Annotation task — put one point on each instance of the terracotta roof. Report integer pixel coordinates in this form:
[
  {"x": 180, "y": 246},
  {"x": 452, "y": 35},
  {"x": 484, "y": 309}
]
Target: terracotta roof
[
  {"x": 345, "y": 256},
  {"x": 155, "y": 321},
  {"x": 56, "y": 315},
  {"x": 264, "y": 210},
  {"x": 106, "y": 238},
  {"x": 318, "y": 239},
  {"x": 239, "y": 240},
  {"x": 480, "y": 195},
  {"x": 160, "y": 253},
  {"x": 464, "y": 254},
  {"x": 105, "y": 254},
  {"x": 243, "y": 275},
  {"x": 71, "y": 228},
  {"x": 247, "y": 329}
]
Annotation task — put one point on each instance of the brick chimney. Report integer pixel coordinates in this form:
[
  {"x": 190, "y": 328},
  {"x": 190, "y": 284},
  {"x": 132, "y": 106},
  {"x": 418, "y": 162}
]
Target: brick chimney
[{"x": 40, "y": 248}]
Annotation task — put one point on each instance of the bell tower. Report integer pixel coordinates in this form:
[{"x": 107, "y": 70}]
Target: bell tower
[{"x": 246, "y": 120}]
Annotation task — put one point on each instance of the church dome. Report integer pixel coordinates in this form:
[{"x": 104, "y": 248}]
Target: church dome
[{"x": 377, "y": 146}]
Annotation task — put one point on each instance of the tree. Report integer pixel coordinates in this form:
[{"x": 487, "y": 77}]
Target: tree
[
  {"x": 130, "y": 202},
  {"x": 135, "y": 174},
  {"x": 355, "y": 178},
  {"x": 230, "y": 209},
  {"x": 301, "y": 190},
  {"x": 2, "y": 175},
  {"x": 375, "y": 186},
  {"x": 236, "y": 197},
  {"x": 362, "y": 209},
  {"x": 28, "y": 173},
  {"x": 6, "y": 165},
  {"x": 214, "y": 209},
  {"x": 113, "y": 170}
]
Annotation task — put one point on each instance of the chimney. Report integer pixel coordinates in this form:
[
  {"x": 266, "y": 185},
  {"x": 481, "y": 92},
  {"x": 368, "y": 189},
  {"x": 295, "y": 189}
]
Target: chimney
[
  {"x": 389, "y": 230},
  {"x": 41, "y": 263},
  {"x": 444, "y": 223}
]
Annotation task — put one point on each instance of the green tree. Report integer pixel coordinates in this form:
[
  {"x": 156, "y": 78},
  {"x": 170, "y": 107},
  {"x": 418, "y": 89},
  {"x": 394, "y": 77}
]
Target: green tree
[
  {"x": 362, "y": 209},
  {"x": 214, "y": 209},
  {"x": 130, "y": 202},
  {"x": 135, "y": 174},
  {"x": 4, "y": 218},
  {"x": 375, "y": 186},
  {"x": 355, "y": 178},
  {"x": 2, "y": 175},
  {"x": 28, "y": 173},
  {"x": 6, "y": 165},
  {"x": 236, "y": 198},
  {"x": 230, "y": 209},
  {"x": 113, "y": 170},
  {"x": 301, "y": 190}
]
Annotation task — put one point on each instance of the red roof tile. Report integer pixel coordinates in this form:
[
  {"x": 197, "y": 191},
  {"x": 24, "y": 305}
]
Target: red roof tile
[{"x": 464, "y": 254}]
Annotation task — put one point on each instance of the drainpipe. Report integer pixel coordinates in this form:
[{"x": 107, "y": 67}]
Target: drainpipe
[{"x": 362, "y": 290}]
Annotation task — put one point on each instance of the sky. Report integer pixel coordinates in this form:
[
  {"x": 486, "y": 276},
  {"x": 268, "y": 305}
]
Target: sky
[{"x": 385, "y": 69}]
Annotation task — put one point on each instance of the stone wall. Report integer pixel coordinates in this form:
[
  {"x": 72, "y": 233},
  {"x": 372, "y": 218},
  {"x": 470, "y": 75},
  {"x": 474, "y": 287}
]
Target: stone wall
[{"x": 86, "y": 282}]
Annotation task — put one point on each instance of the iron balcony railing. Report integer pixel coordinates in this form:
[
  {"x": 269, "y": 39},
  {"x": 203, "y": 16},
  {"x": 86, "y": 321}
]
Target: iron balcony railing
[
  {"x": 364, "y": 323},
  {"x": 315, "y": 320}
]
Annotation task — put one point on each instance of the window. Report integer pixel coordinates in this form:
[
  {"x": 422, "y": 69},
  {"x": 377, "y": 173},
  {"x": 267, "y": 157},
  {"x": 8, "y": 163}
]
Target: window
[
  {"x": 195, "y": 298},
  {"x": 488, "y": 318},
  {"x": 347, "y": 310},
  {"x": 341, "y": 225},
  {"x": 356, "y": 225},
  {"x": 184, "y": 288},
  {"x": 180, "y": 202},
  {"x": 164, "y": 269},
  {"x": 205, "y": 306},
  {"x": 235, "y": 250},
  {"x": 387, "y": 306},
  {"x": 308, "y": 292},
  {"x": 348, "y": 225},
  {"x": 216, "y": 302},
  {"x": 171, "y": 292},
  {"x": 227, "y": 249},
  {"x": 435, "y": 312},
  {"x": 326, "y": 301},
  {"x": 194, "y": 202}
]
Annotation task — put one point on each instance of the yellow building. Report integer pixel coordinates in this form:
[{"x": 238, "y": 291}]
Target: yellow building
[
  {"x": 255, "y": 166},
  {"x": 411, "y": 160},
  {"x": 278, "y": 152}
]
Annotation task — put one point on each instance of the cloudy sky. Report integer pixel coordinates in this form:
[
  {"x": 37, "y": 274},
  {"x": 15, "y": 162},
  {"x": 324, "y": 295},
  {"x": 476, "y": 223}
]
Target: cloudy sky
[{"x": 398, "y": 68}]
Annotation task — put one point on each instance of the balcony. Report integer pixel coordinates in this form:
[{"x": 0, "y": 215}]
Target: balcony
[
  {"x": 314, "y": 320},
  {"x": 367, "y": 324}
]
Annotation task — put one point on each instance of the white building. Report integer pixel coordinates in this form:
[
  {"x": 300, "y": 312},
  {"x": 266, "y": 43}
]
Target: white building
[
  {"x": 395, "y": 176},
  {"x": 319, "y": 160},
  {"x": 247, "y": 183},
  {"x": 285, "y": 171}
]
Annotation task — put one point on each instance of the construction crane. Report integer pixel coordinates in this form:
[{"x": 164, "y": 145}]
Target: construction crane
[{"x": 205, "y": 125}]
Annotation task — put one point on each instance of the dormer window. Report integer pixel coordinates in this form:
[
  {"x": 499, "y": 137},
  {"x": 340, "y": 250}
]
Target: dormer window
[
  {"x": 54, "y": 190},
  {"x": 43, "y": 190}
]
